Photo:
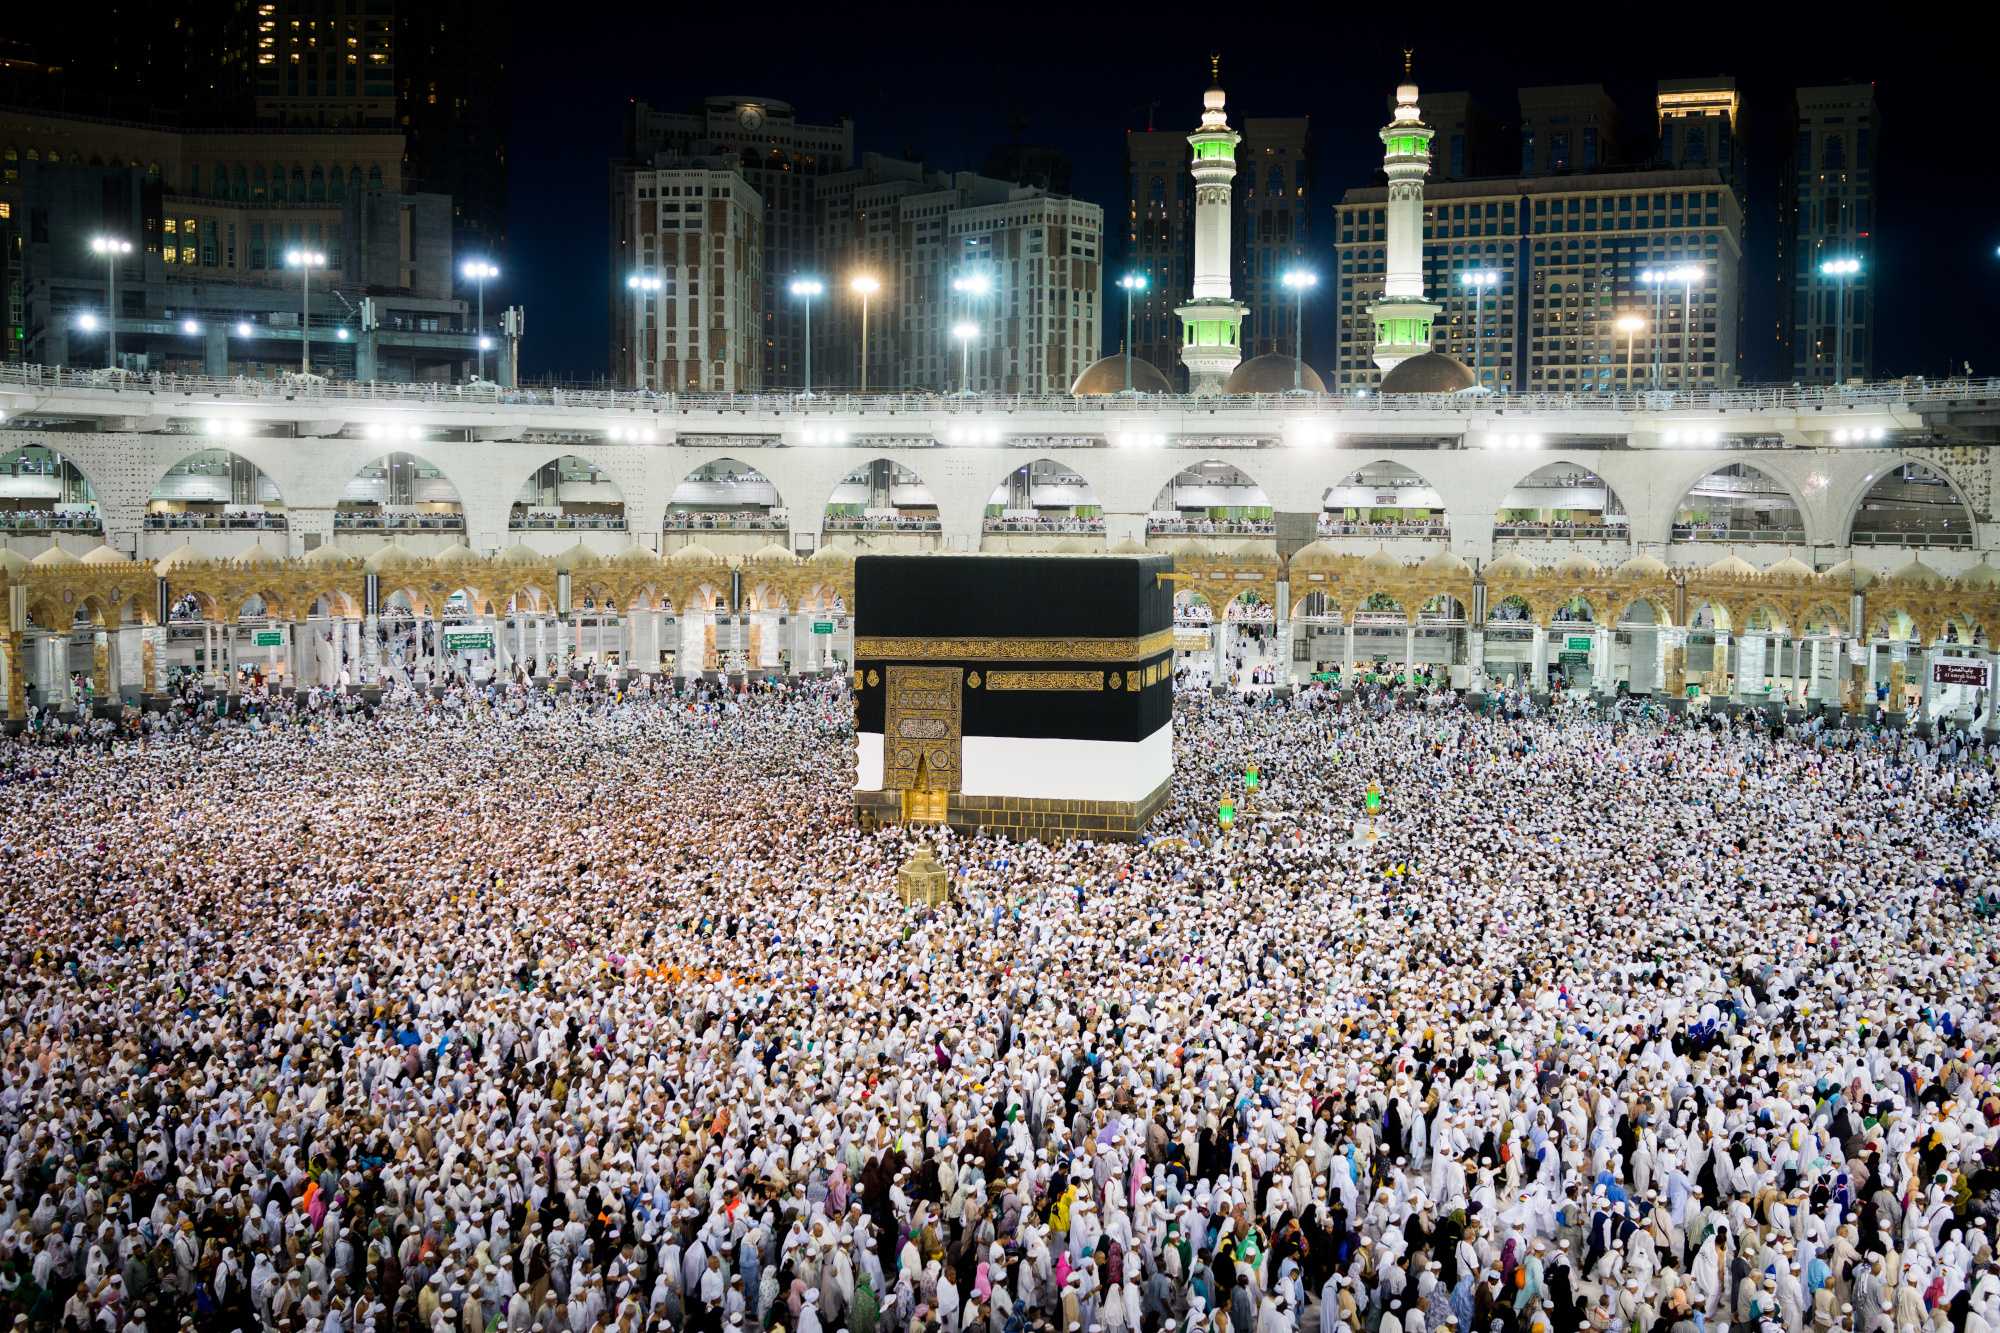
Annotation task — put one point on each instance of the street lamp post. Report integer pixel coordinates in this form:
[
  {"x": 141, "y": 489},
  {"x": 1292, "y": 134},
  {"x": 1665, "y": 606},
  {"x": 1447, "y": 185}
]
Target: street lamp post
[
  {"x": 640, "y": 285},
  {"x": 864, "y": 285},
  {"x": 806, "y": 289},
  {"x": 1688, "y": 274},
  {"x": 1629, "y": 325},
  {"x": 479, "y": 270},
  {"x": 1133, "y": 283},
  {"x": 970, "y": 287},
  {"x": 305, "y": 261},
  {"x": 1479, "y": 280},
  {"x": 1298, "y": 280},
  {"x": 1656, "y": 279},
  {"x": 1840, "y": 270},
  {"x": 113, "y": 249},
  {"x": 965, "y": 331}
]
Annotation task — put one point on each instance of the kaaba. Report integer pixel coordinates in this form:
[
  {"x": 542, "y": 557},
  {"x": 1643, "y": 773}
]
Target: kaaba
[{"x": 1030, "y": 695}]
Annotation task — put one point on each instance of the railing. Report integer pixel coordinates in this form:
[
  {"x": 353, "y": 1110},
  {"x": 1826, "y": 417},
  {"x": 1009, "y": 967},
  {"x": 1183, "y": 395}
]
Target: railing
[
  {"x": 401, "y": 522},
  {"x": 1209, "y": 527},
  {"x": 699, "y": 521},
  {"x": 1331, "y": 527},
  {"x": 1581, "y": 532},
  {"x": 216, "y": 522},
  {"x": 849, "y": 524},
  {"x": 23, "y": 520},
  {"x": 1912, "y": 393},
  {"x": 1910, "y": 538},
  {"x": 1707, "y": 532},
  {"x": 565, "y": 523},
  {"x": 1030, "y": 527}
]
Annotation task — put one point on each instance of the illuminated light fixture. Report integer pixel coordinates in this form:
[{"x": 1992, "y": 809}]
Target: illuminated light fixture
[
  {"x": 87, "y": 322},
  {"x": 973, "y": 284},
  {"x": 243, "y": 329},
  {"x": 485, "y": 342},
  {"x": 373, "y": 432},
  {"x": 212, "y": 426},
  {"x": 1842, "y": 436},
  {"x": 1673, "y": 437},
  {"x": 190, "y": 327},
  {"x": 649, "y": 436},
  {"x": 1877, "y": 435},
  {"x": 341, "y": 334},
  {"x": 1310, "y": 433}
]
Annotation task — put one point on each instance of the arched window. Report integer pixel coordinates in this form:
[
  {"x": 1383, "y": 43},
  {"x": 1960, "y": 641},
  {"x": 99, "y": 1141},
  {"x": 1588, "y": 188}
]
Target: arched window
[
  {"x": 1159, "y": 189},
  {"x": 318, "y": 194},
  {"x": 336, "y": 185},
  {"x": 375, "y": 177},
  {"x": 299, "y": 185},
  {"x": 257, "y": 186},
  {"x": 239, "y": 187}
]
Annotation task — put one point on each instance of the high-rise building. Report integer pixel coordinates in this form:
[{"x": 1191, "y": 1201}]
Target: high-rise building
[
  {"x": 782, "y": 159},
  {"x": 693, "y": 237},
  {"x": 1828, "y": 213},
  {"x": 1273, "y": 194},
  {"x": 1700, "y": 124},
  {"x": 1401, "y": 317},
  {"x": 453, "y": 100},
  {"x": 1040, "y": 327},
  {"x": 210, "y": 217},
  {"x": 912, "y": 232},
  {"x": 1212, "y": 318},
  {"x": 433, "y": 69},
  {"x": 1570, "y": 253},
  {"x": 1159, "y": 203},
  {"x": 1464, "y": 137},
  {"x": 315, "y": 62},
  {"x": 1571, "y": 127}
]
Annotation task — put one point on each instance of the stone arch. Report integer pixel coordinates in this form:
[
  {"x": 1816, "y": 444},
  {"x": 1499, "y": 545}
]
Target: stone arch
[
  {"x": 1953, "y": 515},
  {"x": 1720, "y": 615},
  {"x": 387, "y": 493},
  {"x": 1613, "y": 504},
  {"x": 67, "y": 477},
  {"x": 1058, "y": 478},
  {"x": 706, "y": 500},
  {"x": 542, "y": 494},
  {"x": 213, "y": 476},
  {"x": 1220, "y": 472},
  {"x": 338, "y": 601},
  {"x": 917, "y": 497},
  {"x": 1351, "y": 487},
  {"x": 1663, "y": 613},
  {"x": 1687, "y": 522}
]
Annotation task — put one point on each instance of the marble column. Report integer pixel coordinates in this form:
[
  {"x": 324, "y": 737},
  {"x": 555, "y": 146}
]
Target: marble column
[
  {"x": 371, "y": 650},
  {"x": 14, "y": 660},
  {"x": 1349, "y": 672},
  {"x": 1409, "y": 651},
  {"x": 156, "y": 658},
  {"x": 1475, "y": 653},
  {"x": 1538, "y": 666},
  {"x": 1603, "y": 670}
]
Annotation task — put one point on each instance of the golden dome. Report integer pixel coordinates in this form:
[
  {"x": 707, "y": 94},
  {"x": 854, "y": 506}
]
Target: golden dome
[
  {"x": 1433, "y": 372},
  {"x": 1107, "y": 376},
  {"x": 1272, "y": 373}
]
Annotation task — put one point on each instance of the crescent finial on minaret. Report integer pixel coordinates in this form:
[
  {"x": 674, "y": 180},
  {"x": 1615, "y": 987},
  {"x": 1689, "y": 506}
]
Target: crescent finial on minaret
[
  {"x": 1409, "y": 58},
  {"x": 1215, "y": 68}
]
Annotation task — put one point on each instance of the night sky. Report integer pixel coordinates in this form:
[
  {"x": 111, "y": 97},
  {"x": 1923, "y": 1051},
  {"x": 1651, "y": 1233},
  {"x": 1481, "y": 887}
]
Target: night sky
[{"x": 947, "y": 84}]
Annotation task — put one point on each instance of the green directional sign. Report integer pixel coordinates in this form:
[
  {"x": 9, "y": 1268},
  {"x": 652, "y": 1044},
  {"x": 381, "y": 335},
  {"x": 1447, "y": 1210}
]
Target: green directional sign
[
  {"x": 822, "y": 627},
  {"x": 468, "y": 641},
  {"x": 1578, "y": 643},
  {"x": 270, "y": 638}
]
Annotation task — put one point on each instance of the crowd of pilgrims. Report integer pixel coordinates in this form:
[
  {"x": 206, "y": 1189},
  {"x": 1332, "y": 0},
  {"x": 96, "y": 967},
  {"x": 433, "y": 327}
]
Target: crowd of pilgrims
[{"x": 506, "y": 1010}]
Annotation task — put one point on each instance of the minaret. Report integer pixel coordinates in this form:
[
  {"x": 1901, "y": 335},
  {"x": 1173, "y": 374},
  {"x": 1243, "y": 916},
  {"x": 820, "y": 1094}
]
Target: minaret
[
  {"x": 1212, "y": 320},
  {"x": 1403, "y": 317}
]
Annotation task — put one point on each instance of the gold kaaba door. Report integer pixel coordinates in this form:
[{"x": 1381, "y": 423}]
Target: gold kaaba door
[{"x": 922, "y": 739}]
